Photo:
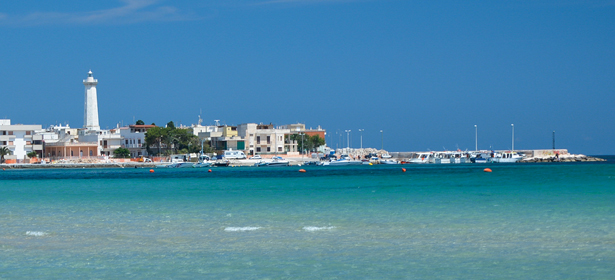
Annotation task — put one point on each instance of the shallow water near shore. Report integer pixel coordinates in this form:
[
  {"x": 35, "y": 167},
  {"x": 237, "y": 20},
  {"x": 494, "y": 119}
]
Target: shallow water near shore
[{"x": 522, "y": 221}]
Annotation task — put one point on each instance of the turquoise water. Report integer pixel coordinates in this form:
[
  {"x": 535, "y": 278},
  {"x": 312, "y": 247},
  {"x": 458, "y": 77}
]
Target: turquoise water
[{"x": 522, "y": 221}]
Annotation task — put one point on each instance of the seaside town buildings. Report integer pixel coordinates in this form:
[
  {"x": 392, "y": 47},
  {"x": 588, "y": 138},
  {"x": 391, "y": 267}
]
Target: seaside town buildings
[{"x": 61, "y": 142}]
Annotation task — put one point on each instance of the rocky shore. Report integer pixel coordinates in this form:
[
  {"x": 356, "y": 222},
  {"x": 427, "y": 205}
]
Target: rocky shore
[{"x": 563, "y": 158}]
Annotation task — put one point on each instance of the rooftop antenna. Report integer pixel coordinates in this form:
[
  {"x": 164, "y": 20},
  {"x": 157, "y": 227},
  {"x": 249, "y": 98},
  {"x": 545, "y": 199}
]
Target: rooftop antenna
[
  {"x": 200, "y": 120},
  {"x": 217, "y": 122}
]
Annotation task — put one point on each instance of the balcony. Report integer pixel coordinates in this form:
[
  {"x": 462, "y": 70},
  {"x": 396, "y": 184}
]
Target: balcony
[{"x": 132, "y": 146}]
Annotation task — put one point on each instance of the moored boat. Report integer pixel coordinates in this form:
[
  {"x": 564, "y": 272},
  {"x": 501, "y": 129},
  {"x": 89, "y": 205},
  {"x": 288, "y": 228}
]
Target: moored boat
[
  {"x": 343, "y": 161},
  {"x": 275, "y": 161}
]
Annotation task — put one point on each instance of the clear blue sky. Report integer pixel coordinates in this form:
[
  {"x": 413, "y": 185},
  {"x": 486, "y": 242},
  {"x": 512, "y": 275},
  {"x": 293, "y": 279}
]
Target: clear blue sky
[{"x": 424, "y": 72}]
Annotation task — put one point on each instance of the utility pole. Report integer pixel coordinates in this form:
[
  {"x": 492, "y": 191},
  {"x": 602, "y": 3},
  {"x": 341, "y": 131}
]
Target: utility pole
[
  {"x": 513, "y": 136},
  {"x": 361, "y": 130}
]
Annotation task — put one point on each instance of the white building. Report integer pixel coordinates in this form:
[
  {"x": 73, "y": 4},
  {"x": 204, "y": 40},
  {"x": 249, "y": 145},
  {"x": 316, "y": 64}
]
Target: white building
[
  {"x": 133, "y": 139},
  {"x": 107, "y": 140},
  {"x": 19, "y": 140}
]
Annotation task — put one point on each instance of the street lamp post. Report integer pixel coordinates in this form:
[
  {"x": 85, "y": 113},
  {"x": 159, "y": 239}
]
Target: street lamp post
[
  {"x": 553, "y": 139},
  {"x": 348, "y": 141},
  {"x": 361, "y": 130},
  {"x": 381, "y": 140},
  {"x": 513, "y": 136},
  {"x": 475, "y": 137}
]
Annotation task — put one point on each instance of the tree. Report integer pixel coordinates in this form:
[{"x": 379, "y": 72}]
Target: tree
[
  {"x": 121, "y": 153},
  {"x": 140, "y": 122},
  {"x": 32, "y": 154},
  {"x": 4, "y": 151},
  {"x": 154, "y": 136},
  {"x": 316, "y": 141},
  {"x": 309, "y": 143},
  {"x": 171, "y": 125}
]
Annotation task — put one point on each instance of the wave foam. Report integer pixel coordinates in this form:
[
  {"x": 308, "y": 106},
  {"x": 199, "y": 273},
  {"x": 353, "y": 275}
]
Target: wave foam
[
  {"x": 36, "y": 233},
  {"x": 317, "y": 228},
  {"x": 240, "y": 228}
]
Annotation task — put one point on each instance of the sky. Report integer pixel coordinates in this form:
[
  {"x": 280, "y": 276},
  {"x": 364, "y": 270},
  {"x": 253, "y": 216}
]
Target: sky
[{"x": 413, "y": 75}]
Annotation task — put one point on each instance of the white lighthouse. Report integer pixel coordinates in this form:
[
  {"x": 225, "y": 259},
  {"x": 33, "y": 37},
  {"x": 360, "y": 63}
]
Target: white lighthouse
[{"x": 90, "y": 115}]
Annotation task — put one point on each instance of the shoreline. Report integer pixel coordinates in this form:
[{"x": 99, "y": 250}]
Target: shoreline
[{"x": 249, "y": 163}]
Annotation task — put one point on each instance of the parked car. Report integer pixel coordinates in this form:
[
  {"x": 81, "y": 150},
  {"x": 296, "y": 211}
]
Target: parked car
[{"x": 256, "y": 157}]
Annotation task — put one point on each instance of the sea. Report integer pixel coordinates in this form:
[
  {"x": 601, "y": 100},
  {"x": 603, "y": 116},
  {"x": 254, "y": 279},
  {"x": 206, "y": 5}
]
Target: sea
[{"x": 520, "y": 221}]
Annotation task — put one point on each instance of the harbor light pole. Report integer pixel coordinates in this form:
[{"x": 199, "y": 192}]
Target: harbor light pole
[
  {"x": 553, "y": 139},
  {"x": 361, "y": 130},
  {"x": 348, "y": 140},
  {"x": 381, "y": 140},
  {"x": 475, "y": 137},
  {"x": 513, "y": 136}
]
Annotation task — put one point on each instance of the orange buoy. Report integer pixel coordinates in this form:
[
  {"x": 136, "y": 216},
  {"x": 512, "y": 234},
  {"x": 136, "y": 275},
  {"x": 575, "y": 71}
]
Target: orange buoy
[
  {"x": 403, "y": 170},
  {"x": 487, "y": 170},
  {"x": 209, "y": 170},
  {"x": 302, "y": 170},
  {"x": 151, "y": 171}
]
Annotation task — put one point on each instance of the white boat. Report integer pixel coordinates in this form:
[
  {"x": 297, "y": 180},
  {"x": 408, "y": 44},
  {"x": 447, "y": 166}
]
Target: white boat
[
  {"x": 343, "y": 161},
  {"x": 479, "y": 157},
  {"x": 506, "y": 157},
  {"x": 426, "y": 157},
  {"x": 203, "y": 162},
  {"x": 180, "y": 165},
  {"x": 442, "y": 157},
  {"x": 180, "y": 161},
  {"x": 275, "y": 161},
  {"x": 388, "y": 161}
]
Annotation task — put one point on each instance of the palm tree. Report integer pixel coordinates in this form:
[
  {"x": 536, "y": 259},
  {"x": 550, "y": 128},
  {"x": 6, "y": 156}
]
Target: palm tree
[{"x": 3, "y": 152}]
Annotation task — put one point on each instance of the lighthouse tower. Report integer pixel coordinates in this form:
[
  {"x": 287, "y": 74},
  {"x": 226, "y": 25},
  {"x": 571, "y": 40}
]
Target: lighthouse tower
[{"x": 90, "y": 116}]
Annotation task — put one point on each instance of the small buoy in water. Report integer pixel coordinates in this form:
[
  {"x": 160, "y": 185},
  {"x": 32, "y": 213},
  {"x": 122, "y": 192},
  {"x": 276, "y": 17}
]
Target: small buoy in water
[
  {"x": 487, "y": 170},
  {"x": 209, "y": 170},
  {"x": 370, "y": 163},
  {"x": 151, "y": 171},
  {"x": 302, "y": 170},
  {"x": 403, "y": 170}
]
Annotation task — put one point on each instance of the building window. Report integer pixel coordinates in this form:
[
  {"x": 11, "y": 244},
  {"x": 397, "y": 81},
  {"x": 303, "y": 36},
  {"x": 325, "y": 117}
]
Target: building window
[
  {"x": 268, "y": 149},
  {"x": 268, "y": 139},
  {"x": 258, "y": 149},
  {"x": 258, "y": 139},
  {"x": 10, "y": 132},
  {"x": 279, "y": 149},
  {"x": 28, "y": 132}
]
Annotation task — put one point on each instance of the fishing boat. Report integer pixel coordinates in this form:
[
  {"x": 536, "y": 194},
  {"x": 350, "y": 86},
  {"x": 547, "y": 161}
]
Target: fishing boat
[
  {"x": 426, "y": 157},
  {"x": 388, "y": 161},
  {"x": 506, "y": 157},
  {"x": 479, "y": 157}
]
